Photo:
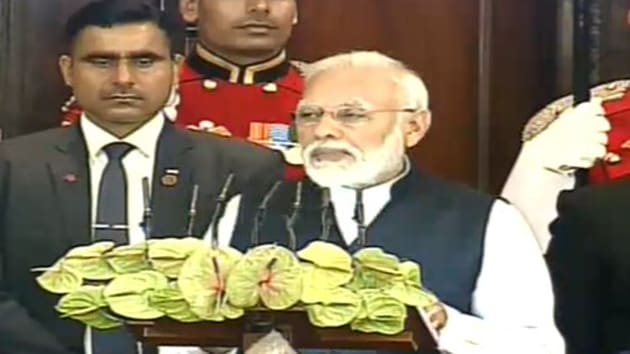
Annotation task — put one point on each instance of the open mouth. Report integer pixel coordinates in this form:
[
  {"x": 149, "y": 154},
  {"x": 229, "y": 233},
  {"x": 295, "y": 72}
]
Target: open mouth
[{"x": 330, "y": 155}]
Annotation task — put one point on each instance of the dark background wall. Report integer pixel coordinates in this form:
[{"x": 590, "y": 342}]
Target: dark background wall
[{"x": 489, "y": 64}]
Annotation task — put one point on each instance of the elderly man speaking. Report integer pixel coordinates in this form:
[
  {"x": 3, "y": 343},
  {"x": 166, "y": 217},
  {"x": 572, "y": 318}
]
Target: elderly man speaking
[{"x": 359, "y": 114}]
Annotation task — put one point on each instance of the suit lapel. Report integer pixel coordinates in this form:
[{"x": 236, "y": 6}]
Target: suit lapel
[
  {"x": 70, "y": 176},
  {"x": 172, "y": 183}
]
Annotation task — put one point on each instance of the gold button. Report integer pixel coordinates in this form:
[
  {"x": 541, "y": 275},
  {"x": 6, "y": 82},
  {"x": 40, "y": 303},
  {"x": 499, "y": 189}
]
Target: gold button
[{"x": 209, "y": 84}]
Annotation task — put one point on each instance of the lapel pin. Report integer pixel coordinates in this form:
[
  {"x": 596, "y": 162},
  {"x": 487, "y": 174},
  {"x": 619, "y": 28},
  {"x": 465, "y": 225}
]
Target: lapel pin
[
  {"x": 170, "y": 177},
  {"x": 70, "y": 178}
]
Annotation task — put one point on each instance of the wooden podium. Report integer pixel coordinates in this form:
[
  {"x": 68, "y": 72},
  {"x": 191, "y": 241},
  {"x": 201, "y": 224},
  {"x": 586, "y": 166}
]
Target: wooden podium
[{"x": 295, "y": 327}]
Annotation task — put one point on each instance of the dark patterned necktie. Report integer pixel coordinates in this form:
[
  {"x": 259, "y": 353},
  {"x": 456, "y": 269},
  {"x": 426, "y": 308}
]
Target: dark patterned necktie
[
  {"x": 111, "y": 212},
  {"x": 111, "y": 225}
]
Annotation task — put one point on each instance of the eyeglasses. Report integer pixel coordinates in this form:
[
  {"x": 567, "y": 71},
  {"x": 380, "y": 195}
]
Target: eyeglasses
[{"x": 311, "y": 115}]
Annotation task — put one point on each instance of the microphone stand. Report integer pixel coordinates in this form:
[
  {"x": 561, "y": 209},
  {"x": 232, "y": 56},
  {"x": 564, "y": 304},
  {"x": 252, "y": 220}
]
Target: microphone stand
[
  {"x": 192, "y": 213},
  {"x": 220, "y": 210},
  {"x": 325, "y": 215},
  {"x": 261, "y": 213},
  {"x": 359, "y": 217},
  {"x": 147, "y": 215},
  {"x": 291, "y": 220}
]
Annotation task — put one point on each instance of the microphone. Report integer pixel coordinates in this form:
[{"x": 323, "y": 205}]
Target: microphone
[
  {"x": 261, "y": 213},
  {"x": 291, "y": 220},
  {"x": 192, "y": 212},
  {"x": 359, "y": 217},
  {"x": 148, "y": 213},
  {"x": 219, "y": 210},
  {"x": 326, "y": 220}
]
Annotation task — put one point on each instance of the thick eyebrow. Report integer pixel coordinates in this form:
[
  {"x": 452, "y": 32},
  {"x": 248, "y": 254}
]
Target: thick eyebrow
[{"x": 116, "y": 55}]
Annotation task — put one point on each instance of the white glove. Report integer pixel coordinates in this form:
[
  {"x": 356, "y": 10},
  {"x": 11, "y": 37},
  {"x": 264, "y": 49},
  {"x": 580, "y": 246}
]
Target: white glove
[{"x": 576, "y": 139}]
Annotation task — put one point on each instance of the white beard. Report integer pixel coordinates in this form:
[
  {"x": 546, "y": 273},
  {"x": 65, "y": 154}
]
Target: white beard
[{"x": 362, "y": 169}]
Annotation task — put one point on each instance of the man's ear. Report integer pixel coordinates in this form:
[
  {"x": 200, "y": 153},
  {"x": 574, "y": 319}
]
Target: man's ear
[
  {"x": 416, "y": 127},
  {"x": 189, "y": 9},
  {"x": 296, "y": 15},
  {"x": 65, "y": 67}
]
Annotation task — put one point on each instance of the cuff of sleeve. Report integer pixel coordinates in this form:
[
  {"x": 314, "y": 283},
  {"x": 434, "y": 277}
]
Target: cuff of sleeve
[{"x": 462, "y": 334}]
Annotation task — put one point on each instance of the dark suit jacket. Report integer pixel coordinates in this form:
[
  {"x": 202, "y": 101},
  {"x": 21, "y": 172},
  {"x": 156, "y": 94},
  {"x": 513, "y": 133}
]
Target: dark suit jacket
[
  {"x": 589, "y": 260},
  {"x": 45, "y": 210}
]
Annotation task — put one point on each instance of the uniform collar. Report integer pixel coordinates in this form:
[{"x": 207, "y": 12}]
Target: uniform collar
[
  {"x": 212, "y": 66},
  {"x": 144, "y": 139}
]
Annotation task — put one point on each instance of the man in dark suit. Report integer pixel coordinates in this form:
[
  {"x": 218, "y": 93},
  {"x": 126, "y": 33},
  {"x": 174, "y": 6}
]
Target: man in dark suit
[
  {"x": 589, "y": 260},
  {"x": 71, "y": 186}
]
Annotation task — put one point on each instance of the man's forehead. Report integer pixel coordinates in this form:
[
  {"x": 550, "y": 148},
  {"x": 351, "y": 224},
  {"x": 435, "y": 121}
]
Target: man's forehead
[
  {"x": 351, "y": 87},
  {"x": 338, "y": 102},
  {"x": 122, "y": 38}
]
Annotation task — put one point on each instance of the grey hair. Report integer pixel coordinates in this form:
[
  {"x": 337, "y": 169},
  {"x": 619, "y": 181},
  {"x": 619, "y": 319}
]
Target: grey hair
[{"x": 417, "y": 95}]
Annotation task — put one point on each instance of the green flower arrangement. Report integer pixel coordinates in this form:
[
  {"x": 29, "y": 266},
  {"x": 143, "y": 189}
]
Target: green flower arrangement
[{"x": 187, "y": 280}]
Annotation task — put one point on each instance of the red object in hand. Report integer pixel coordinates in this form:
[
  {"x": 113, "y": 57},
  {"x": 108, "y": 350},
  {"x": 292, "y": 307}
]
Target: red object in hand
[{"x": 618, "y": 114}]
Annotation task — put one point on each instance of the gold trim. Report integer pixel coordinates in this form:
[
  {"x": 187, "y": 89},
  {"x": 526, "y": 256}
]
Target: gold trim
[
  {"x": 250, "y": 71},
  {"x": 208, "y": 56},
  {"x": 235, "y": 70},
  {"x": 540, "y": 121}
]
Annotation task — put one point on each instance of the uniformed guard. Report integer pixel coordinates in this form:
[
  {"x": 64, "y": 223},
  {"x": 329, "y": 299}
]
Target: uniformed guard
[{"x": 237, "y": 80}]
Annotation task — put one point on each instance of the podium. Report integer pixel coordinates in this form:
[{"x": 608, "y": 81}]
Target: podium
[{"x": 294, "y": 326}]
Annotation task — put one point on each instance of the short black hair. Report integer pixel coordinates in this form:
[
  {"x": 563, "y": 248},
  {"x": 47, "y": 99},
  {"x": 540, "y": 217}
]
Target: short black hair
[{"x": 110, "y": 13}]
